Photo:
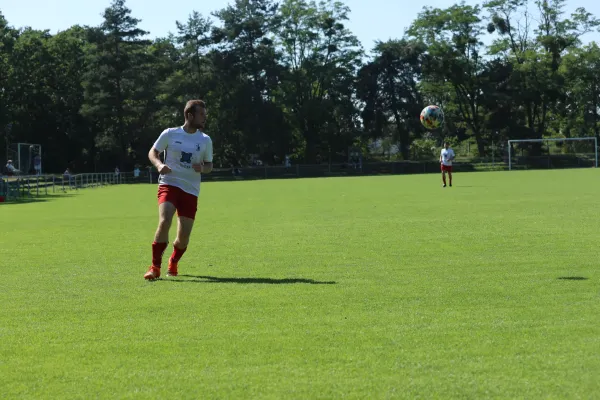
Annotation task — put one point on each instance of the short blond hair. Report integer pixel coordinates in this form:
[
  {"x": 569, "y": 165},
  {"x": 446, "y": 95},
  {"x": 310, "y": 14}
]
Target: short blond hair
[{"x": 192, "y": 105}]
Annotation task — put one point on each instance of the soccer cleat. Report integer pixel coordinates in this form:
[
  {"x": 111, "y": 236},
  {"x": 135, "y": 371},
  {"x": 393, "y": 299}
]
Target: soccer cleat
[
  {"x": 450, "y": 185},
  {"x": 444, "y": 185},
  {"x": 152, "y": 274},
  {"x": 172, "y": 268}
]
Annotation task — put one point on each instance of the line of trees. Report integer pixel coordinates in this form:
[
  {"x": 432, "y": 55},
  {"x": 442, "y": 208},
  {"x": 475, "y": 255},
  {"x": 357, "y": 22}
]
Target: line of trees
[{"x": 289, "y": 78}]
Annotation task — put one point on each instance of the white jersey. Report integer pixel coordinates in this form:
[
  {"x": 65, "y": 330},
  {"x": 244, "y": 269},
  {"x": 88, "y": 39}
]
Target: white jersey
[
  {"x": 447, "y": 155},
  {"x": 183, "y": 149}
]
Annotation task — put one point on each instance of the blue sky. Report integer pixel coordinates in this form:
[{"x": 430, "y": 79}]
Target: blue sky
[{"x": 370, "y": 20}]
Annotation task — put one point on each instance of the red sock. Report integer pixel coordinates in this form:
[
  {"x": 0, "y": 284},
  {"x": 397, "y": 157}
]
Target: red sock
[
  {"x": 177, "y": 253},
  {"x": 157, "y": 252}
]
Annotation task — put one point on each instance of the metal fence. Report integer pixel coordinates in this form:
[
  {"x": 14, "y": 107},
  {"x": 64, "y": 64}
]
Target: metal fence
[
  {"x": 14, "y": 188},
  {"x": 22, "y": 187},
  {"x": 332, "y": 170}
]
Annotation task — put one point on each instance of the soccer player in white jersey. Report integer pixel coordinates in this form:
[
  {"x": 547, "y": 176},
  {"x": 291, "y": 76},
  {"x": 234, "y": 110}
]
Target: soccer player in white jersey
[
  {"x": 188, "y": 155},
  {"x": 446, "y": 157}
]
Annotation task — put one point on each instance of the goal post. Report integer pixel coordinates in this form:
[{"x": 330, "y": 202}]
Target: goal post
[{"x": 582, "y": 155}]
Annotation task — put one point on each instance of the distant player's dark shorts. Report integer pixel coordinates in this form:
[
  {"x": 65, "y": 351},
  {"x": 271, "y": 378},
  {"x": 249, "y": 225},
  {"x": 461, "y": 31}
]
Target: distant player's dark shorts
[
  {"x": 185, "y": 203},
  {"x": 446, "y": 168}
]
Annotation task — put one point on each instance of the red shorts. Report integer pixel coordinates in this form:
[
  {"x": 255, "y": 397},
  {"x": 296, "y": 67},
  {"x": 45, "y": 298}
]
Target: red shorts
[
  {"x": 446, "y": 168},
  {"x": 186, "y": 204}
]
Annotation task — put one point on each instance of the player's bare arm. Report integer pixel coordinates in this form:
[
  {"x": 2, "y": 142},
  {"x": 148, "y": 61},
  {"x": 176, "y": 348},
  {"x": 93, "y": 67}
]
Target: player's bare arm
[
  {"x": 153, "y": 156},
  {"x": 203, "y": 168},
  {"x": 188, "y": 153}
]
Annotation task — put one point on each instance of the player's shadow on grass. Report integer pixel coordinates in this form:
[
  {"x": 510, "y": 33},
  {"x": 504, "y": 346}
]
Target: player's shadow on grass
[
  {"x": 573, "y": 278},
  {"x": 266, "y": 281}
]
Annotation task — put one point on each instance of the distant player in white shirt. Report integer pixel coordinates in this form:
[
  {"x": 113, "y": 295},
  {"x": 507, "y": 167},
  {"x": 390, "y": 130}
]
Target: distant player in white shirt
[
  {"x": 188, "y": 155},
  {"x": 446, "y": 157}
]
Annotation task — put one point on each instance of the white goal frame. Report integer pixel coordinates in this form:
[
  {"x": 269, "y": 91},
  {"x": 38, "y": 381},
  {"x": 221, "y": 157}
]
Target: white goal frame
[{"x": 579, "y": 139}]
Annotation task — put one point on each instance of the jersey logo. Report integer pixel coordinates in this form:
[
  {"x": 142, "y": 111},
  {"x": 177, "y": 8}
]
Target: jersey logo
[
  {"x": 198, "y": 146},
  {"x": 186, "y": 157},
  {"x": 178, "y": 142}
]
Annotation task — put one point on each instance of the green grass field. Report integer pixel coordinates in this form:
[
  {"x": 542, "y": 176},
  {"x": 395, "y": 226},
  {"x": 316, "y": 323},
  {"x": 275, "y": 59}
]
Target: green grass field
[{"x": 371, "y": 287}]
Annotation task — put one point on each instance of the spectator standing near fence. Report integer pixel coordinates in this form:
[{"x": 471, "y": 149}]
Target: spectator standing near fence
[
  {"x": 10, "y": 168},
  {"x": 37, "y": 164},
  {"x": 67, "y": 177}
]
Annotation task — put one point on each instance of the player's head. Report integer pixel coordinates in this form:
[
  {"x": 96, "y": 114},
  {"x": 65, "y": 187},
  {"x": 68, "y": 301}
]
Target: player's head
[
  {"x": 195, "y": 114},
  {"x": 446, "y": 145}
]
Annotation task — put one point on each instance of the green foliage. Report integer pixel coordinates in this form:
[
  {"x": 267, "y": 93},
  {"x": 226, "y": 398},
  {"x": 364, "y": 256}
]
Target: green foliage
[
  {"x": 425, "y": 149},
  {"x": 118, "y": 85},
  {"x": 388, "y": 86},
  {"x": 290, "y": 78},
  {"x": 320, "y": 57},
  {"x": 454, "y": 67},
  {"x": 582, "y": 102}
]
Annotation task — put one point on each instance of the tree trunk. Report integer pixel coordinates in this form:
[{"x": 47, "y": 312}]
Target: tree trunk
[
  {"x": 595, "y": 104},
  {"x": 480, "y": 143},
  {"x": 312, "y": 141}
]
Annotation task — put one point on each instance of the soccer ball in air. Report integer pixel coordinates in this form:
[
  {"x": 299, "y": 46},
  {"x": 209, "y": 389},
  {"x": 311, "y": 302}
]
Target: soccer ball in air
[{"x": 432, "y": 117}]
